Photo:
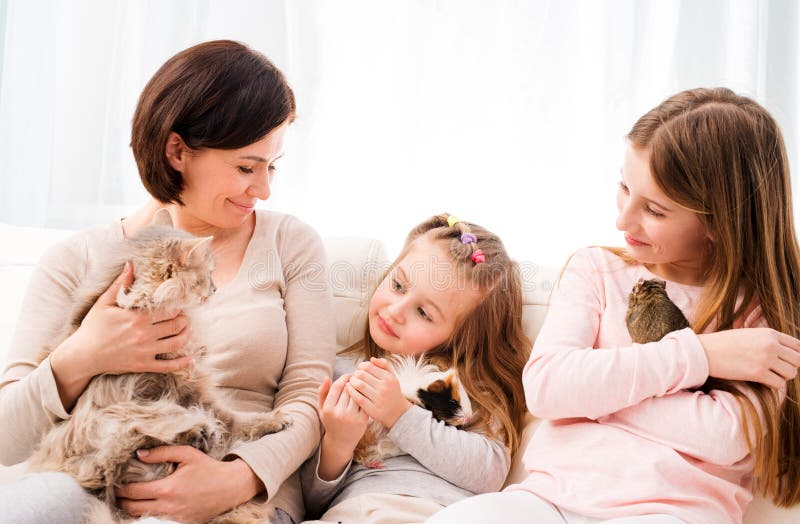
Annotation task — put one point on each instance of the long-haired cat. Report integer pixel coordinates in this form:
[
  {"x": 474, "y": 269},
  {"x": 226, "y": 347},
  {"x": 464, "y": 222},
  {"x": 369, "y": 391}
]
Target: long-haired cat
[
  {"x": 118, "y": 414},
  {"x": 424, "y": 385}
]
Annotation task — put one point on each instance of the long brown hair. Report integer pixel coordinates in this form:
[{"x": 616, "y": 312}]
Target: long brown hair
[
  {"x": 488, "y": 346},
  {"x": 722, "y": 155}
]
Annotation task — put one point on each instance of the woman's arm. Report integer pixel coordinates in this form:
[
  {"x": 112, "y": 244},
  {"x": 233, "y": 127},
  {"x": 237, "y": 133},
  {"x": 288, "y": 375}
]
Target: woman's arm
[
  {"x": 309, "y": 359},
  {"x": 29, "y": 397}
]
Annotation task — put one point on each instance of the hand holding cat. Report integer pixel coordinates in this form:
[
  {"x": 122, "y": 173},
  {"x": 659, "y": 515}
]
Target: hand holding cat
[
  {"x": 376, "y": 390},
  {"x": 755, "y": 354},
  {"x": 198, "y": 490},
  {"x": 115, "y": 340}
]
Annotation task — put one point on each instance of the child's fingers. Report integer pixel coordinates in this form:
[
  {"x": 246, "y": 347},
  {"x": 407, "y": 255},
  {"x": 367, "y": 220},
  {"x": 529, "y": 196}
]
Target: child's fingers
[
  {"x": 787, "y": 354},
  {"x": 335, "y": 392},
  {"x": 322, "y": 392},
  {"x": 381, "y": 363},
  {"x": 351, "y": 404},
  {"x": 366, "y": 377},
  {"x": 365, "y": 389},
  {"x": 379, "y": 367},
  {"x": 357, "y": 396}
]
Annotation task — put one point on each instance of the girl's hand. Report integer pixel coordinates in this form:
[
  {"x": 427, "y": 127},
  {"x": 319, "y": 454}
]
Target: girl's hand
[
  {"x": 755, "y": 354},
  {"x": 198, "y": 490},
  {"x": 344, "y": 423},
  {"x": 376, "y": 390}
]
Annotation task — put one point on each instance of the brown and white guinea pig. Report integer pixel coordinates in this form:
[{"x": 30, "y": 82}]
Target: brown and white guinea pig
[{"x": 426, "y": 386}]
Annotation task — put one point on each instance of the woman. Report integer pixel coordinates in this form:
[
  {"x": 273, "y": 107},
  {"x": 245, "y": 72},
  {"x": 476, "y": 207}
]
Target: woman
[{"x": 207, "y": 132}]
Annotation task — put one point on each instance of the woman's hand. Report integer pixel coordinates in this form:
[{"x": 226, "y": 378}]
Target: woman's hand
[
  {"x": 115, "y": 340},
  {"x": 344, "y": 423},
  {"x": 754, "y": 354},
  {"x": 198, "y": 490},
  {"x": 376, "y": 390}
]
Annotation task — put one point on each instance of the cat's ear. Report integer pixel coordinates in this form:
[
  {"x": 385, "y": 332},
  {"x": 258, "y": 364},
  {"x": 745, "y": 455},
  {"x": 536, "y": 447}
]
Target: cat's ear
[
  {"x": 161, "y": 218},
  {"x": 193, "y": 246}
]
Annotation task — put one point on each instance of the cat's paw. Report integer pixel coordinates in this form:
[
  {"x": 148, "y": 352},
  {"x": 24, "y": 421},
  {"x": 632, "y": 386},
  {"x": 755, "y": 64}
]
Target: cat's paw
[
  {"x": 256, "y": 426},
  {"x": 200, "y": 438}
]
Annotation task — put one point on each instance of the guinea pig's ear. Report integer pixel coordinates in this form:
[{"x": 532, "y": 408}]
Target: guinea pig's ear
[
  {"x": 437, "y": 386},
  {"x": 161, "y": 218}
]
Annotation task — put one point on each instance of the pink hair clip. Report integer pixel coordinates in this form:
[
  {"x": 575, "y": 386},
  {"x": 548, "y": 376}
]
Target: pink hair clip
[
  {"x": 468, "y": 238},
  {"x": 478, "y": 257}
]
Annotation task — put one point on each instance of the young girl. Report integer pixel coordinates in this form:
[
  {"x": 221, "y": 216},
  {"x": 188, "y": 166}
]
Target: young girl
[
  {"x": 454, "y": 296},
  {"x": 629, "y": 435}
]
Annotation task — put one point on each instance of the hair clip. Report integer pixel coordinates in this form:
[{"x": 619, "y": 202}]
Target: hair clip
[
  {"x": 452, "y": 220},
  {"x": 478, "y": 257},
  {"x": 468, "y": 238}
]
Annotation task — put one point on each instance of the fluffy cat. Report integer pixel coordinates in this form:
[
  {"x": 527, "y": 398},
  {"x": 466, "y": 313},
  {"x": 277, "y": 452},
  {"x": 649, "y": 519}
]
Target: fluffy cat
[
  {"x": 118, "y": 414},
  {"x": 424, "y": 385}
]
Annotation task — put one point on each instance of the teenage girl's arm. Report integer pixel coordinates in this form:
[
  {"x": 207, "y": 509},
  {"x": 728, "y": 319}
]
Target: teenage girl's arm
[
  {"x": 467, "y": 459},
  {"x": 565, "y": 378},
  {"x": 708, "y": 427}
]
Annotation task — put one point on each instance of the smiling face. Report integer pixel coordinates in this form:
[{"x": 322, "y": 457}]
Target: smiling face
[
  {"x": 416, "y": 307},
  {"x": 222, "y": 186},
  {"x": 670, "y": 239}
]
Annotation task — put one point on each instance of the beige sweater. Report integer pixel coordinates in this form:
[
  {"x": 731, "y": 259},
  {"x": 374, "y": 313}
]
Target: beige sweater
[{"x": 270, "y": 332}]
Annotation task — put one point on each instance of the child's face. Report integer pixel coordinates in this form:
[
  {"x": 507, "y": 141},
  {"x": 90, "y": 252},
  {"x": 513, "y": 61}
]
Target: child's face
[
  {"x": 657, "y": 230},
  {"x": 417, "y": 305}
]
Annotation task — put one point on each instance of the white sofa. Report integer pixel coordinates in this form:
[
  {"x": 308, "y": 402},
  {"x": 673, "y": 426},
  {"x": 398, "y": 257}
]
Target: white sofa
[{"x": 354, "y": 266}]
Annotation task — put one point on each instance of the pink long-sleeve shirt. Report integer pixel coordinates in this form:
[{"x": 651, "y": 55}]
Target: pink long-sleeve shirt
[{"x": 622, "y": 434}]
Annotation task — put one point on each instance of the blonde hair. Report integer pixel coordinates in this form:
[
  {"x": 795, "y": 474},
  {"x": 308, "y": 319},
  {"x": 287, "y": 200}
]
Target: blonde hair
[
  {"x": 722, "y": 156},
  {"x": 488, "y": 346}
]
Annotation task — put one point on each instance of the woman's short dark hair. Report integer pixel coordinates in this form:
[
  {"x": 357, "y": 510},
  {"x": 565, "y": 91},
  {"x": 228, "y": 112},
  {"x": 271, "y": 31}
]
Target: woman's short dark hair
[{"x": 219, "y": 94}]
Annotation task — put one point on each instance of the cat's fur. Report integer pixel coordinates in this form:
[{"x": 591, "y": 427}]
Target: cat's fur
[
  {"x": 424, "y": 385},
  {"x": 118, "y": 414}
]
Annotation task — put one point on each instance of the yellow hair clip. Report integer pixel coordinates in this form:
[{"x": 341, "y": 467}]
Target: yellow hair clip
[{"x": 452, "y": 220}]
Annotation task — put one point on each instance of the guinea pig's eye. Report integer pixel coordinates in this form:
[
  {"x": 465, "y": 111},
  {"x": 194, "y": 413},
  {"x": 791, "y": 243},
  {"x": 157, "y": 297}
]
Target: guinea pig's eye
[{"x": 453, "y": 402}]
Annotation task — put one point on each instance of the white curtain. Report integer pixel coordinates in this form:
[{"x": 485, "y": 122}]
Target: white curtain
[{"x": 507, "y": 113}]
